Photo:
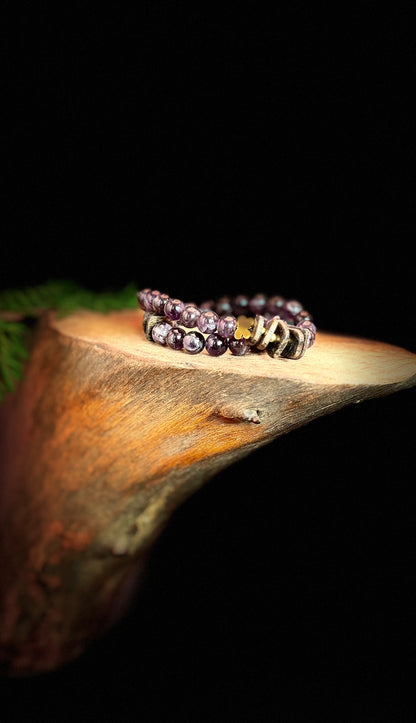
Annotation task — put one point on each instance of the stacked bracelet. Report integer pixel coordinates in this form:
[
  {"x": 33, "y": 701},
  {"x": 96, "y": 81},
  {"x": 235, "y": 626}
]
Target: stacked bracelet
[{"x": 239, "y": 324}]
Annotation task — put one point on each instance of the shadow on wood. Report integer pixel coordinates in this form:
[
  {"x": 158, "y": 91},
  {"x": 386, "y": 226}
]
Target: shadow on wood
[{"x": 108, "y": 434}]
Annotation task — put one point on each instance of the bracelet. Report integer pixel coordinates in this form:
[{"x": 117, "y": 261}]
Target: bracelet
[{"x": 240, "y": 324}]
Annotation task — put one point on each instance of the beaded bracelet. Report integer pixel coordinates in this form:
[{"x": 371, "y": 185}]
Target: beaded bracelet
[{"x": 240, "y": 324}]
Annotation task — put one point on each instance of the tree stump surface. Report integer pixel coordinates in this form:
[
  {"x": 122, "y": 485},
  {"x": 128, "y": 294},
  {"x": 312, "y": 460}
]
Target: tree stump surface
[{"x": 108, "y": 433}]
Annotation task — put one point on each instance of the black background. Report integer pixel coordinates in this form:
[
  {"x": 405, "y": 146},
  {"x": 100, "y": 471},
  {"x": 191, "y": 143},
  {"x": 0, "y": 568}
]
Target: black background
[{"x": 203, "y": 151}]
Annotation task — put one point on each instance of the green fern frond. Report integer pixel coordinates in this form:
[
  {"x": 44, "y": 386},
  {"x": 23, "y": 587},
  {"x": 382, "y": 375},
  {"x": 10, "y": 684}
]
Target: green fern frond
[
  {"x": 13, "y": 352},
  {"x": 65, "y": 297},
  {"x": 33, "y": 299},
  {"x": 80, "y": 298}
]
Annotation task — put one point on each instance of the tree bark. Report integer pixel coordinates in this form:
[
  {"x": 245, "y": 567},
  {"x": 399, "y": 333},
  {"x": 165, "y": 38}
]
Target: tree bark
[{"x": 108, "y": 433}]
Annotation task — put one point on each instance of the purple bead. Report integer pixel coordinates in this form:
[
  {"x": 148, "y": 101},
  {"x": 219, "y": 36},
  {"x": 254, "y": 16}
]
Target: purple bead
[
  {"x": 160, "y": 332},
  {"x": 189, "y": 316},
  {"x": 294, "y": 307},
  {"x": 175, "y": 337},
  {"x": 238, "y": 347},
  {"x": 141, "y": 296},
  {"x": 227, "y": 326},
  {"x": 159, "y": 303},
  {"x": 210, "y": 304},
  {"x": 257, "y": 304},
  {"x": 274, "y": 305},
  {"x": 215, "y": 345},
  {"x": 303, "y": 316},
  {"x": 290, "y": 309},
  {"x": 240, "y": 304},
  {"x": 207, "y": 322},
  {"x": 223, "y": 306},
  {"x": 285, "y": 314},
  {"x": 193, "y": 342},
  {"x": 310, "y": 326},
  {"x": 173, "y": 309},
  {"x": 148, "y": 300}
]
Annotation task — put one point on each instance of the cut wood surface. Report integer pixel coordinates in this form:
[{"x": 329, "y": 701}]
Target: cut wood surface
[{"x": 108, "y": 433}]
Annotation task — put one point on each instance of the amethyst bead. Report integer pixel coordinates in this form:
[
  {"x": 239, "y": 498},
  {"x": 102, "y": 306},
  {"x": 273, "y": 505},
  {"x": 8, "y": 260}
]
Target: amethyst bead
[
  {"x": 286, "y": 315},
  {"x": 141, "y": 297},
  {"x": 240, "y": 304},
  {"x": 207, "y": 305},
  {"x": 310, "y": 326},
  {"x": 223, "y": 306},
  {"x": 257, "y": 304},
  {"x": 293, "y": 307},
  {"x": 175, "y": 337},
  {"x": 238, "y": 347},
  {"x": 274, "y": 305},
  {"x": 193, "y": 342},
  {"x": 160, "y": 332},
  {"x": 207, "y": 322},
  {"x": 227, "y": 326},
  {"x": 189, "y": 316},
  {"x": 173, "y": 309},
  {"x": 150, "y": 298},
  {"x": 159, "y": 303},
  {"x": 290, "y": 309},
  {"x": 303, "y": 316},
  {"x": 215, "y": 345}
]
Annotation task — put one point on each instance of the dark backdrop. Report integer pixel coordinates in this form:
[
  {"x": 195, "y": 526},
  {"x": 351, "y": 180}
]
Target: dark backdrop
[{"x": 204, "y": 151}]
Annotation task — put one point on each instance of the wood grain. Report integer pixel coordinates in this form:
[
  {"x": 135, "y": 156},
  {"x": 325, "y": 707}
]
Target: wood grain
[{"x": 108, "y": 433}]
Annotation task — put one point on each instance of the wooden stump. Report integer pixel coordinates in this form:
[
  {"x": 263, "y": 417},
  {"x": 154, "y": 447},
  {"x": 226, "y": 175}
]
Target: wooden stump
[{"x": 108, "y": 433}]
